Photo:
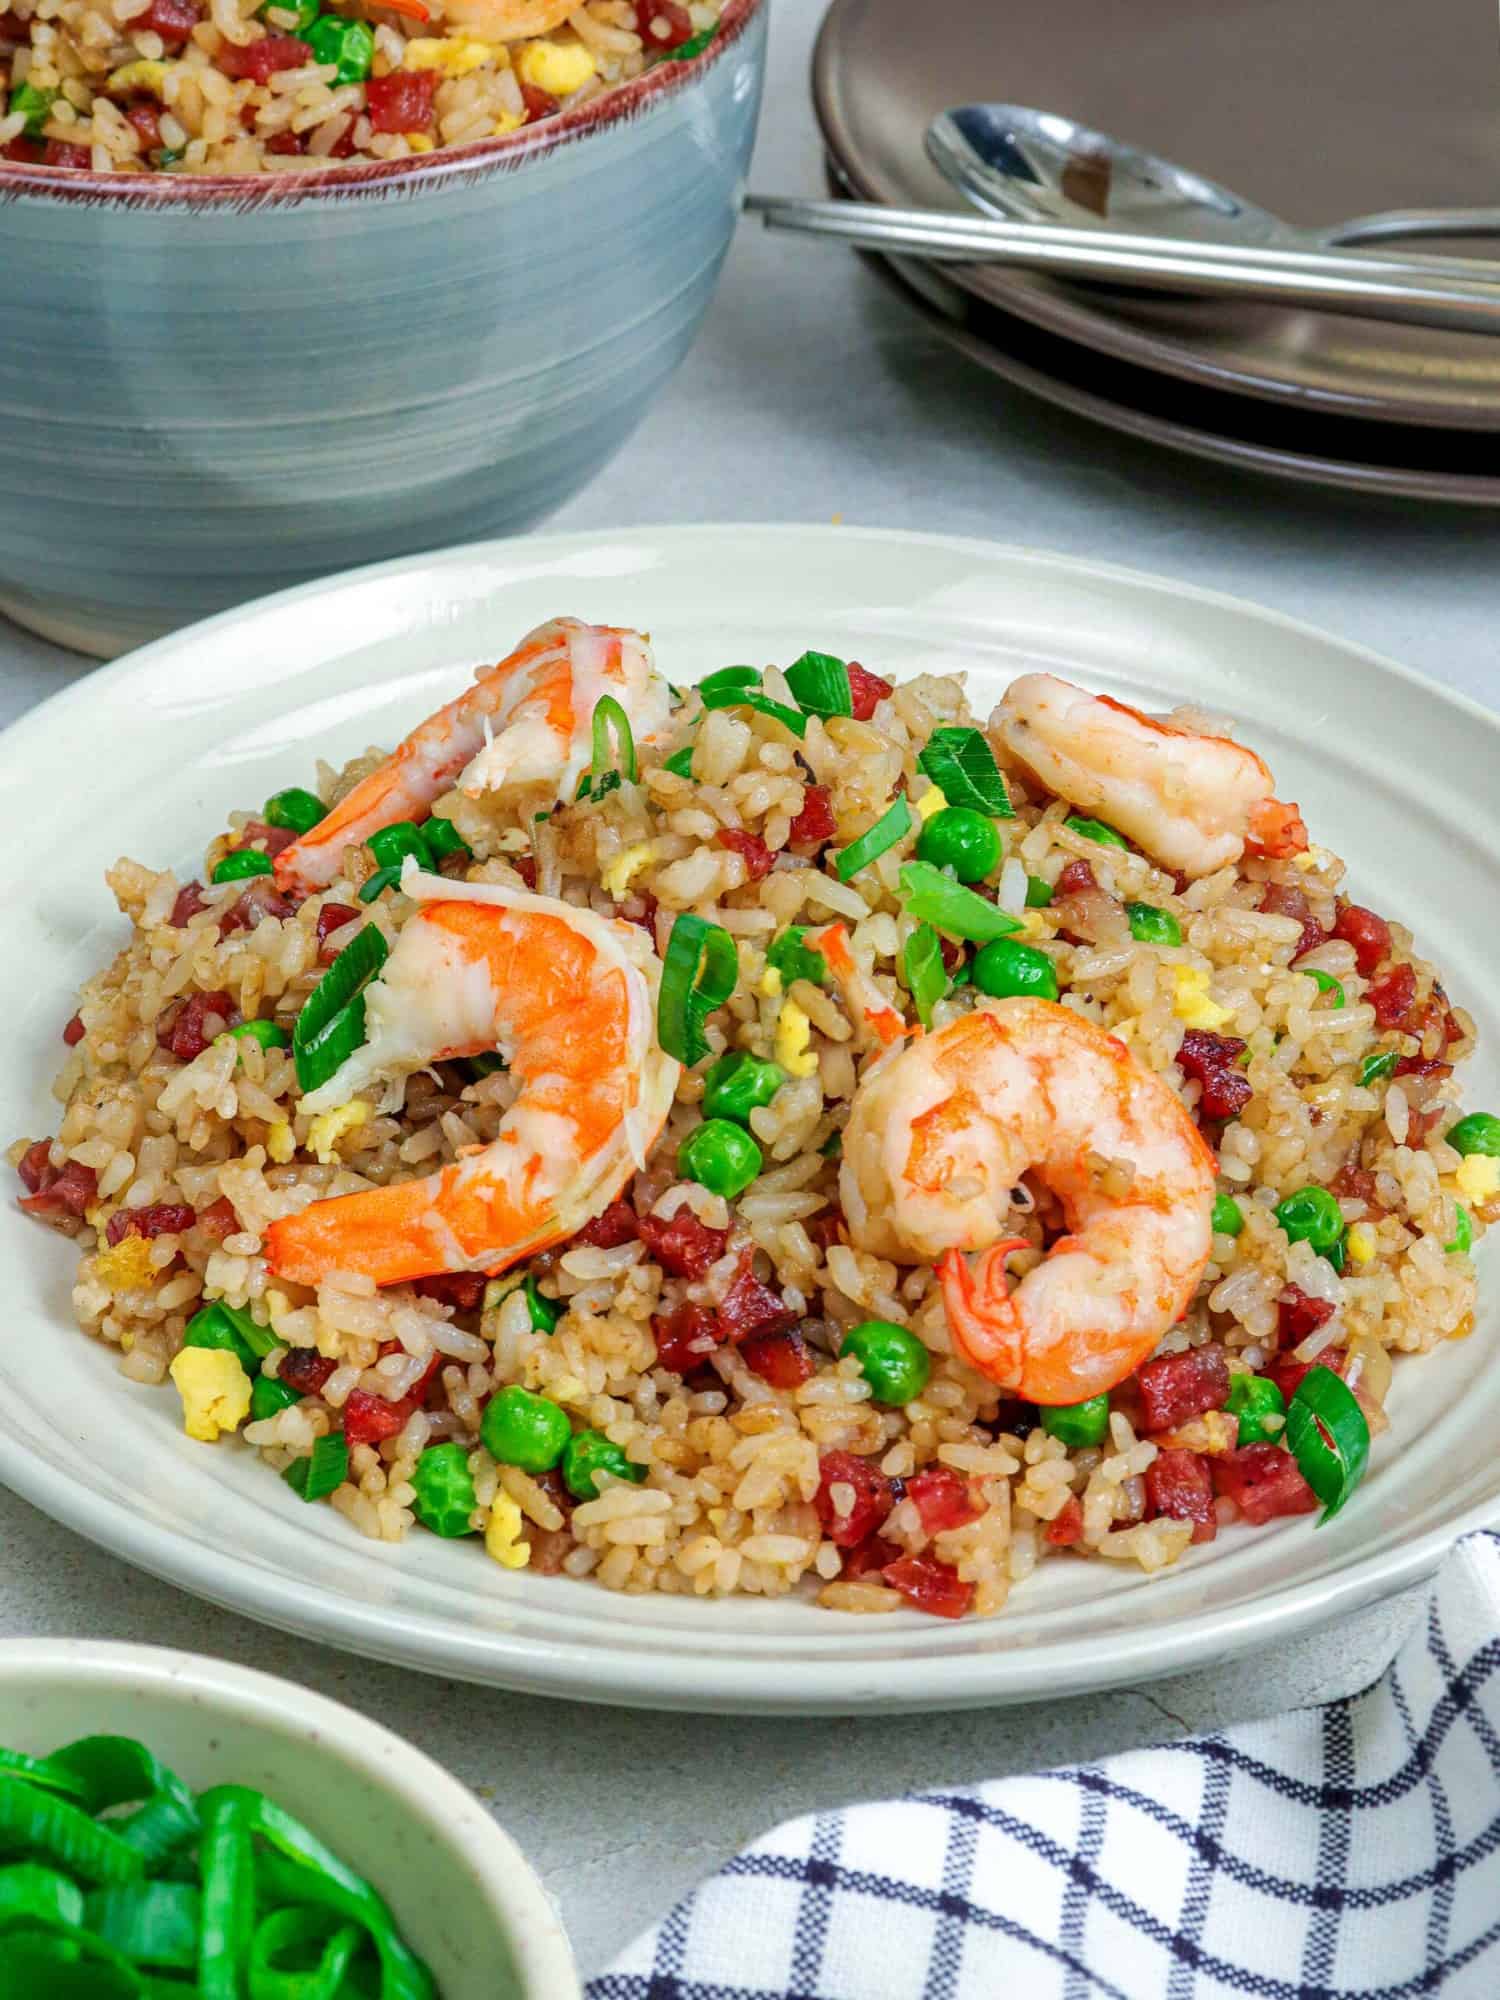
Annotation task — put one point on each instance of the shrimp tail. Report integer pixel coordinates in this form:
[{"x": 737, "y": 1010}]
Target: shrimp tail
[
  {"x": 987, "y": 1329},
  {"x": 1277, "y": 830}
]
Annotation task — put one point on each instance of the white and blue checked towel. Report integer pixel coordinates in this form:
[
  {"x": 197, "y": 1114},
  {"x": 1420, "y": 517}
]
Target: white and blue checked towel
[{"x": 1343, "y": 1853}]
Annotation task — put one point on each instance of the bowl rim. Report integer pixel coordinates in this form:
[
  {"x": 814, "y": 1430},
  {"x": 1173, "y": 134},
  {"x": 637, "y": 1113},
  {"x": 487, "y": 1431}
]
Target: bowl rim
[
  {"x": 244, "y": 194},
  {"x": 427, "y": 1793}
]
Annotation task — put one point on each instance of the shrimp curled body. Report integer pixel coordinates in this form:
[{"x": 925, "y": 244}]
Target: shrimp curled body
[
  {"x": 526, "y": 722},
  {"x": 1194, "y": 803},
  {"x": 569, "y": 999},
  {"x": 942, "y": 1132}
]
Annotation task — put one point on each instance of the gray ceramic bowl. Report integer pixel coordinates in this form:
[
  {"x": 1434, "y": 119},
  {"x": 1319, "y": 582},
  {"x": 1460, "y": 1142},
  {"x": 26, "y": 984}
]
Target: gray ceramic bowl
[
  {"x": 459, "y": 1886},
  {"x": 212, "y": 388}
]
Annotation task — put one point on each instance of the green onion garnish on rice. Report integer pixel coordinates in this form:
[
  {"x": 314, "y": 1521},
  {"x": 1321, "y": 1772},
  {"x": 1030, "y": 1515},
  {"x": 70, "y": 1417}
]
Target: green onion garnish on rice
[
  {"x": 893, "y": 824},
  {"x": 324, "y": 1472},
  {"x": 1325, "y": 983},
  {"x": 611, "y": 720},
  {"x": 821, "y": 684},
  {"x": 1328, "y": 1436},
  {"x": 935, "y": 898},
  {"x": 698, "y": 975},
  {"x": 331, "y": 1025},
  {"x": 922, "y": 964},
  {"x": 739, "y": 687},
  {"x": 1373, "y": 1068},
  {"x": 962, "y": 766},
  {"x": 680, "y": 763}
]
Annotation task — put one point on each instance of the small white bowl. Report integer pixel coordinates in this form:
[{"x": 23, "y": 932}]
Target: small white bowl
[{"x": 465, "y": 1898}]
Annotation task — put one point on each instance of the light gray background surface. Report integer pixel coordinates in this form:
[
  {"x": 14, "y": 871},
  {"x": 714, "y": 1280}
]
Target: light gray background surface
[{"x": 810, "y": 396}]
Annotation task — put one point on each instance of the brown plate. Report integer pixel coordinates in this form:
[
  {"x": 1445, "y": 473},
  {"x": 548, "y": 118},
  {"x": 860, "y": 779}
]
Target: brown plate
[
  {"x": 1407, "y": 460},
  {"x": 1317, "y": 111}
]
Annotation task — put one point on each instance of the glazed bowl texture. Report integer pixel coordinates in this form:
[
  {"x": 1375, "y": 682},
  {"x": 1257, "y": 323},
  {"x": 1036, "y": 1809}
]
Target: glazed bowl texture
[
  {"x": 463, "y": 1895},
  {"x": 215, "y": 387}
]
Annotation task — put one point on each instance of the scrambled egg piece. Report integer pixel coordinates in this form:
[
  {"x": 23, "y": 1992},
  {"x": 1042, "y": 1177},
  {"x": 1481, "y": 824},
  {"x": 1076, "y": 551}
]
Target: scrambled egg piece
[
  {"x": 142, "y": 74},
  {"x": 931, "y": 801},
  {"x": 454, "y": 55},
  {"x": 215, "y": 1391},
  {"x": 330, "y": 1126},
  {"x": 770, "y": 982},
  {"x": 1478, "y": 1178},
  {"x": 629, "y": 861},
  {"x": 559, "y": 68},
  {"x": 793, "y": 1033},
  {"x": 1192, "y": 1003},
  {"x": 1360, "y": 1243},
  {"x": 125, "y": 1266},
  {"x": 280, "y": 1142},
  {"x": 508, "y": 121},
  {"x": 502, "y": 1538},
  {"x": 418, "y": 142}
]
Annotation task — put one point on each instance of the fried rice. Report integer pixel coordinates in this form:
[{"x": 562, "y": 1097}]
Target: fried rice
[
  {"x": 762, "y": 1462},
  {"x": 257, "y": 86}
]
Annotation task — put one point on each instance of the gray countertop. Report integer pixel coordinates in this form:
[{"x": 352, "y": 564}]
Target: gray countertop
[{"x": 811, "y": 395}]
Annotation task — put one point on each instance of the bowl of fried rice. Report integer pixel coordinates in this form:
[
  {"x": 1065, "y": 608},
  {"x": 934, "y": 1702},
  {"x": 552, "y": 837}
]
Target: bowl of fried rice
[
  {"x": 794, "y": 1141},
  {"x": 290, "y": 288}
]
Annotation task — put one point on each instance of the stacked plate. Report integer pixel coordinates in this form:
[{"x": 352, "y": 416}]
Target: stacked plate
[{"x": 1316, "y": 113}]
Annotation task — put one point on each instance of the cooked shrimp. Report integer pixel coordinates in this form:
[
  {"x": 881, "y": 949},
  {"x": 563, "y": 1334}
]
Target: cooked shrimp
[
  {"x": 1193, "y": 803},
  {"x": 940, "y": 1134},
  {"x": 871, "y": 1013},
  {"x": 569, "y": 999},
  {"x": 527, "y": 721},
  {"x": 508, "y": 20}
]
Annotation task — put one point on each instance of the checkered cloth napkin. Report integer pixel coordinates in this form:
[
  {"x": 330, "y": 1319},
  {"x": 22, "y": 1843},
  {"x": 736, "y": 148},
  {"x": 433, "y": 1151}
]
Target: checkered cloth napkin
[{"x": 1344, "y": 1853}]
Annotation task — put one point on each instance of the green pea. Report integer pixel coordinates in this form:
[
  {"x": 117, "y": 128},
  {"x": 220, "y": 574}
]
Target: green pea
[
  {"x": 269, "y": 1397},
  {"x": 1312, "y": 1215},
  {"x": 443, "y": 838},
  {"x": 1003, "y": 966},
  {"x": 525, "y": 1430},
  {"x": 1095, "y": 829},
  {"x": 1077, "y": 1424},
  {"x": 1478, "y": 1133},
  {"x": 963, "y": 840},
  {"x": 738, "y": 1083},
  {"x": 1149, "y": 925},
  {"x": 445, "y": 1496},
  {"x": 34, "y": 105},
  {"x": 1463, "y": 1232},
  {"x": 1229, "y": 1217},
  {"x": 719, "y": 1156},
  {"x": 265, "y": 1032},
  {"x": 588, "y": 1454},
  {"x": 893, "y": 1361},
  {"x": 349, "y": 44},
  {"x": 294, "y": 808},
  {"x": 391, "y": 844},
  {"x": 792, "y": 959},
  {"x": 1038, "y": 893},
  {"x": 1253, "y": 1399},
  {"x": 243, "y": 863}
]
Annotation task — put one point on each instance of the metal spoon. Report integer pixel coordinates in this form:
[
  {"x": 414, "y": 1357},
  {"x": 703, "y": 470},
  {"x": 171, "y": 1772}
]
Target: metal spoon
[{"x": 1037, "y": 166}]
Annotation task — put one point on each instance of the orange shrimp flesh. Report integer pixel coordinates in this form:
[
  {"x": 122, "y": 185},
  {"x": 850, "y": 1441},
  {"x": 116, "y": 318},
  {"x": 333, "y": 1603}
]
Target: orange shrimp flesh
[
  {"x": 941, "y": 1132},
  {"x": 568, "y": 997},
  {"x": 526, "y": 722},
  {"x": 868, "y": 1009}
]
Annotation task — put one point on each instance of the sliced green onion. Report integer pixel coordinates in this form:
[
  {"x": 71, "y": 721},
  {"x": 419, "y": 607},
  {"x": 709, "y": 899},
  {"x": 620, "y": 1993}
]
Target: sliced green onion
[
  {"x": 443, "y": 838},
  {"x": 1038, "y": 893},
  {"x": 269, "y": 1396},
  {"x": 821, "y": 684},
  {"x": 318, "y": 1950},
  {"x": 922, "y": 963},
  {"x": 150, "y": 1923},
  {"x": 489, "y": 1062},
  {"x": 893, "y": 824},
  {"x": 1328, "y": 1436},
  {"x": 545, "y": 1313},
  {"x": 729, "y": 677},
  {"x": 1325, "y": 983},
  {"x": 1095, "y": 829},
  {"x": 680, "y": 763},
  {"x": 789, "y": 956},
  {"x": 42, "y": 1771},
  {"x": 35, "y": 105},
  {"x": 1373, "y": 1068},
  {"x": 379, "y": 882},
  {"x": 314, "y": 1478},
  {"x": 962, "y": 766},
  {"x": 1463, "y": 1232},
  {"x": 698, "y": 975},
  {"x": 31, "y": 1894},
  {"x": 231, "y": 1328},
  {"x": 686, "y": 51},
  {"x": 611, "y": 720},
  {"x": 52, "y": 1830},
  {"x": 739, "y": 687},
  {"x": 934, "y": 898},
  {"x": 331, "y": 1025}
]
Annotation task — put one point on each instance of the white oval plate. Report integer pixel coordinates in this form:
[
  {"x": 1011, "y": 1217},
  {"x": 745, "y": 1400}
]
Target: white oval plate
[{"x": 146, "y": 756}]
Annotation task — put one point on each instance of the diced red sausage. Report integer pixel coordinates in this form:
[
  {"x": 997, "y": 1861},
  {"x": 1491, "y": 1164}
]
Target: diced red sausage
[
  {"x": 189, "y": 903},
  {"x": 332, "y": 917},
  {"x": 783, "y": 1359},
  {"x": 1263, "y": 1481},
  {"x": 662, "y": 24},
  {"x": 219, "y": 1218},
  {"x": 874, "y": 1497},
  {"x": 608, "y": 1230},
  {"x": 304, "y": 1369},
  {"x": 750, "y": 1307},
  {"x": 682, "y": 1245},
  {"x": 815, "y": 823},
  {"x": 185, "y": 1030},
  {"x": 1178, "y": 1484},
  {"x": 35, "y": 1166},
  {"x": 1298, "y": 1314},
  {"x": 752, "y": 850},
  {"x": 685, "y": 1337},
  {"x": 539, "y": 103},
  {"x": 943, "y": 1498},
  {"x": 463, "y": 1290},
  {"x": 74, "y": 1032},
  {"x": 261, "y": 59},
  {"x": 156, "y": 1218},
  {"x": 872, "y": 1554},
  {"x": 1178, "y": 1386},
  {"x": 1077, "y": 875},
  {"x": 65, "y": 1196},
  {"x": 1066, "y": 1528},
  {"x": 1393, "y": 996},
  {"x": 1286, "y": 1371},
  {"x": 173, "y": 20},
  {"x": 145, "y": 119},
  {"x": 1211, "y": 1060},
  {"x": 402, "y": 101},
  {"x": 1285, "y": 900},
  {"x": 60, "y": 154},
  {"x": 932, "y": 1586},
  {"x": 866, "y": 689},
  {"x": 1370, "y": 936}
]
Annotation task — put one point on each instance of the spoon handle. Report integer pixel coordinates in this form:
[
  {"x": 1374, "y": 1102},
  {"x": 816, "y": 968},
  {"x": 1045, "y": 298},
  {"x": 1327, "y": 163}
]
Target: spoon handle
[{"x": 1448, "y": 292}]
